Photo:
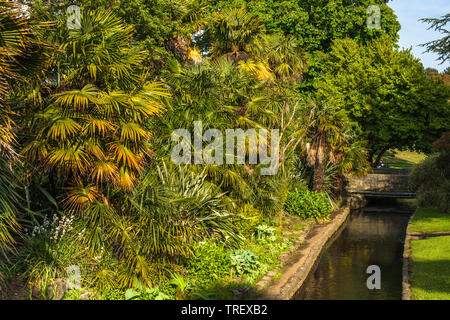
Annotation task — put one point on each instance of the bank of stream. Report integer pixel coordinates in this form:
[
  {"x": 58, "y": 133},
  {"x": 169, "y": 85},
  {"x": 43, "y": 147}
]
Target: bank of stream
[{"x": 371, "y": 236}]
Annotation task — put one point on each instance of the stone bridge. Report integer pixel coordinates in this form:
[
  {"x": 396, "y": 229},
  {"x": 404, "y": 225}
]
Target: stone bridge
[{"x": 382, "y": 183}]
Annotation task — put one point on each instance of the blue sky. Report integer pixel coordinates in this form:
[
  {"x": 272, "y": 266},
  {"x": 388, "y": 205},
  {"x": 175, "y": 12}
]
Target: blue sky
[{"x": 414, "y": 32}]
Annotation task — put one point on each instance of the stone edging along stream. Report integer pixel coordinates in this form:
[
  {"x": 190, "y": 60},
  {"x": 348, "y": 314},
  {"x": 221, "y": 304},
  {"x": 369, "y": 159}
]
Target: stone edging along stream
[{"x": 300, "y": 264}]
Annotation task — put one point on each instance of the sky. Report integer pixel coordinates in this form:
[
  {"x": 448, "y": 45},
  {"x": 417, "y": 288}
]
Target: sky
[{"x": 414, "y": 32}]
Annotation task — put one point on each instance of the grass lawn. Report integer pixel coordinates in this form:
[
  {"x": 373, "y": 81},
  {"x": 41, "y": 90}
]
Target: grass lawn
[
  {"x": 430, "y": 277},
  {"x": 402, "y": 159},
  {"x": 429, "y": 220}
]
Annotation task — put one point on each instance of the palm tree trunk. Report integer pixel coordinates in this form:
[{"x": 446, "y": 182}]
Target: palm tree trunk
[{"x": 319, "y": 167}]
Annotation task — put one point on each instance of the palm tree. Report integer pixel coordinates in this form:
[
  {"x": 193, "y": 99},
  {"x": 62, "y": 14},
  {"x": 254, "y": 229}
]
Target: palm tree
[
  {"x": 90, "y": 126},
  {"x": 235, "y": 33},
  {"x": 20, "y": 56},
  {"x": 327, "y": 129}
]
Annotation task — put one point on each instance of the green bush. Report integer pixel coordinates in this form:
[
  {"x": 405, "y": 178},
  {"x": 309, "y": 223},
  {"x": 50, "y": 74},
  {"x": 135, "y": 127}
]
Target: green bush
[
  {"x": 148, "y": 294},
  {"x": 249, "y": 219},
  {"x": 49, "y": 249},
  {"x": 244, "y": 261},
  {"x": 429, "y": 179},
  {"x": 210, "y": 262},
  {"x": 308, "y": 204},
  {"x": 113, "y": 294},
  {"x": 265, "y": 232}
]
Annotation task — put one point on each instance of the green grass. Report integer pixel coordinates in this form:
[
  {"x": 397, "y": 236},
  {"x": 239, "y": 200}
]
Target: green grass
[
  {"x": 429, "y": 220},
  {"x": 430, "y": 277},
  {"x": 402, "y": 159}
]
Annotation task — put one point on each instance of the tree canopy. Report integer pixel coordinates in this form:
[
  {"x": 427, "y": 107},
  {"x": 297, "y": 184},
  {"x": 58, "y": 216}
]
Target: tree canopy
[
  {"x": 315, "y": 24},
  {"x": 386, "y": 94}
]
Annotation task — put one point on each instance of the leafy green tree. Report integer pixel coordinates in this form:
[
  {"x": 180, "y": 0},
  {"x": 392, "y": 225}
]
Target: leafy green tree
[
  {"x": 387, "y": 94},
  {"x": 315, "y": 24},
  {"x": 431, "y": 71}
]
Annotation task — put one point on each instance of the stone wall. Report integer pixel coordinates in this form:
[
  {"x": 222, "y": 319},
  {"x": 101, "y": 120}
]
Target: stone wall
[{"x": 378, "y": 182}]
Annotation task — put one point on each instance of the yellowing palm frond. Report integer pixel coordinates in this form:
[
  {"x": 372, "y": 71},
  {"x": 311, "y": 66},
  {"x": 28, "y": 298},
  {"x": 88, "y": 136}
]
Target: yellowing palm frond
[
  {"x": 133, "y": 132},
  {"x": 125, "y": 155},
  {"x": 69, "y": 158},
  {"x": 62, "y": 128},
  {"x": 195, "y": 55},
  {"x": 257, "y": 69},
  {"x": 80, "y": 196},
  {"x": 127, "y": 179},
  {"x": 93, "y": 147},
  {"x": 104, "y": 170},
  {"x": 79, "y": 99},
  {"x": 36, "y": 150},
  {"x": 98, "y": 126}
]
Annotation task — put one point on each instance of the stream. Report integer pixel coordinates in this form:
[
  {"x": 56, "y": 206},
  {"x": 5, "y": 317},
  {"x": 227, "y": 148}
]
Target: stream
[{"x": 370, "y": 237}]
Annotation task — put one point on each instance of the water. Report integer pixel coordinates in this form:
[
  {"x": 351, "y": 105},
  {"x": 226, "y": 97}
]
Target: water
[{"x": 367, "y": 239}]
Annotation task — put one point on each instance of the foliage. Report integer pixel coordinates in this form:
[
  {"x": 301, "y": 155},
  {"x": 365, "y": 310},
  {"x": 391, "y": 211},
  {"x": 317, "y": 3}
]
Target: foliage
[
  {"x": 440, "y": 46},
  {"x": 20, "y": 59},
  {"x": 431, "y": 178},
  {"x": 182, "y": 286},
  {"x": 210, "y": 263},
  {"x": 147, "y": 294},
  {"x": 49, "y": 248},
  {"x": 315, "y": 24},
  {"x": 9, "y": 201},
  {"x": 180, "y": 207},
  {"x": 89, "y": 120},
  {"x": 308, "y": 204},
  {"x": 113, "y": 294},
  {"x": 386, "y": 94},
  {"x": 161, "y": 26},
  {"x": 250, "y": 218},
  {"x": 264, "y": 231},
  {"x": 91, "y": 112},
  {"x": 244, "y": 261}
]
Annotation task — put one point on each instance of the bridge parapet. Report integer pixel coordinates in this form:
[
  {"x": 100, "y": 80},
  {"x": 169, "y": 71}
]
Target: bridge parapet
[{"x": 379, "y": 182}]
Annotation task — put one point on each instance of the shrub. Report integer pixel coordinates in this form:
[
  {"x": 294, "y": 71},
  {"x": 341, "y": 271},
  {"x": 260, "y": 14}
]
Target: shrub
[
  {"x": 244, "y": 261},
  {"x": 308, "y": 204},
  {"x": 113, "y": 294},
  {"x": 209, "y": 263},
  {"x": 50, "y": 248},
  {"x": 249, "y": 219},
  {"x": 431, "y": 183},
  {"x": 265, "y": 232},
  {"x": 147, "y": 294}
]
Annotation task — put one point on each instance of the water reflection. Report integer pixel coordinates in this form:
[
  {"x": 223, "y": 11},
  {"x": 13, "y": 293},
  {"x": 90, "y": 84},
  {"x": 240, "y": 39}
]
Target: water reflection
[{"x": 368, "y": 239}]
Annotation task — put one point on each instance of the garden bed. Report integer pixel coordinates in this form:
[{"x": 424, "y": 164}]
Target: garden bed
[{"x": 299, "y": 265}]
